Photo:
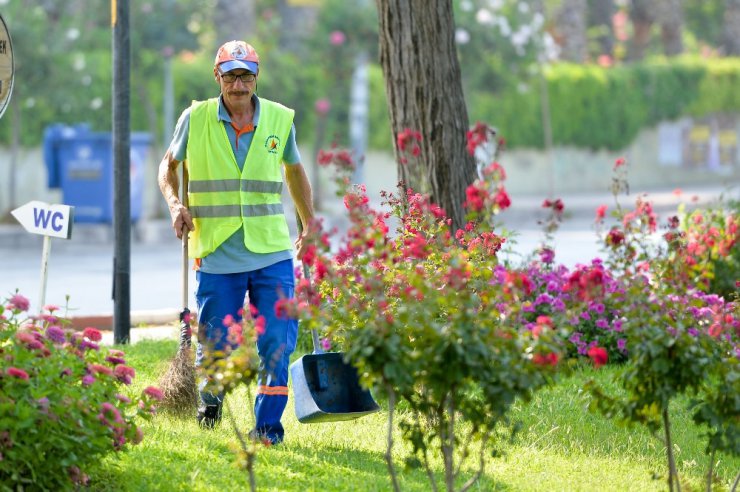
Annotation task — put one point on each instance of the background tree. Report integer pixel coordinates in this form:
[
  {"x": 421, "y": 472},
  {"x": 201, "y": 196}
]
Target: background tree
[
  {"x": 731, "y": 31},
  {"x": 424, "y": 90},
  {"x": 669, "y": 14},
  {"x": 571, "y": 26},
  {"x": 642, "y": 15},
  {"x": 600, "y": 26}
]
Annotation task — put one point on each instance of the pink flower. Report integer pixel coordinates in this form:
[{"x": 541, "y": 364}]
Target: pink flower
[
  {"x": 17, "y": 373},
  {"x": 259, "y": 325},
  {"x": 619, "y": 162},
  {"x": 18, "y": 303},
  {"x": 598, "y": 355},
  {"x": 600, "y": 213},
  {"x": 92, "y": 334},
  {"x": 322, "y": 106},
  {"x": 325, "y": 344},
  {"x": 337, "y": 38},
  {"x": 124, "y": 373},
  {"x": 154, "y": 393}
]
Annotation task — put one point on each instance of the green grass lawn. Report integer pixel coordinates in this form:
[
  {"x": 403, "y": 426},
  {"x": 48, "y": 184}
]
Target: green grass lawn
[{"x": 560, "y": 447}]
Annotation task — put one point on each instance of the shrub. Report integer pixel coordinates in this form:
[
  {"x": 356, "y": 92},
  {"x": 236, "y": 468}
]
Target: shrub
[{"x": 62, "y": 405}]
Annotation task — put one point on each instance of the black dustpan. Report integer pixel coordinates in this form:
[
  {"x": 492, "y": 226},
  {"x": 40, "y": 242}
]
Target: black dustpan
[{"x": 326, "y": 388}]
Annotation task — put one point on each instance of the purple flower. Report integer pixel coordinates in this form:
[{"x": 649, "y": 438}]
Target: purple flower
[
  {"x": 55, "y": 334},
  {"x": 86, "y": 344},
  {"x": 543, "y": 299},
  {"x": 87, "y": 380},
  {"x": 621, "y": 344},
  {"x": 325, "y": 344},
  {"x": 602, "y": 323},
  {"x": 693, "y": 332}
]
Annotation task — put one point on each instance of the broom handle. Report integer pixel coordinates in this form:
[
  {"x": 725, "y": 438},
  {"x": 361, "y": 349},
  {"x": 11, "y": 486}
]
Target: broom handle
[
  {"x": 184, "y": 200},
  {"x": 307, "y": 274}
]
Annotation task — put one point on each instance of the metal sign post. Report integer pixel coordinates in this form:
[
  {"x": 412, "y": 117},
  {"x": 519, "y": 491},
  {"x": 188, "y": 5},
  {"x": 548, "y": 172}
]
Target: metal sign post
[{"x": 50, "y": 221}]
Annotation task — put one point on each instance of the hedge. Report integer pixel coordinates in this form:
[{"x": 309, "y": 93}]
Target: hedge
[{"x": 596, "y": 107}]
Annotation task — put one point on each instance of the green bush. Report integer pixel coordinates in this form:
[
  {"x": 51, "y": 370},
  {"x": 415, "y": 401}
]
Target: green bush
[
  {"x": 597, "y": 107},
  {"x": 61, "y": 401}
]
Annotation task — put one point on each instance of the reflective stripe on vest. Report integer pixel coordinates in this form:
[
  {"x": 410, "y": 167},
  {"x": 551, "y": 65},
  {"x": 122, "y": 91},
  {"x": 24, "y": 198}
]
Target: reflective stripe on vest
[{"x": 223, "y": 199}]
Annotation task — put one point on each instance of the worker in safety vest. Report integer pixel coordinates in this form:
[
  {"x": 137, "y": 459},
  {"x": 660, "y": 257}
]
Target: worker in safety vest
[{"x": 234, "y": 147}]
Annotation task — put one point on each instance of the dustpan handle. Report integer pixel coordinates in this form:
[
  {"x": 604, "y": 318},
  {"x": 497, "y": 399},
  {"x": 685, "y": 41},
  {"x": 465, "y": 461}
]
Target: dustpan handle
[{"x": 307, "y": 275}]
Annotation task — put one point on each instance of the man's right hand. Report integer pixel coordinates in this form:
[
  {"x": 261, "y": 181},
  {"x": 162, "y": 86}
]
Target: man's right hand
[{"x": 182, "y": 222}]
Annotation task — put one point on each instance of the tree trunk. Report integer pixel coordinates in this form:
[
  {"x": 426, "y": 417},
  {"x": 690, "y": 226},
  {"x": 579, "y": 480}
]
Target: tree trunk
[
  {"x": 600, "y": 13},
  {"x": 669, "y": 13},
  {"x": 235, "y": 19},
  {"x": 642, "y": 16},
  {"x": 731, "y": 31},
  {"x": 424, "y": 90},
  {"x": 571, "y": 26}
]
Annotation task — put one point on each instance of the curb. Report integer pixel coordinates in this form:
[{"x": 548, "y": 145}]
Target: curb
[{"x": 104, "y": 322}]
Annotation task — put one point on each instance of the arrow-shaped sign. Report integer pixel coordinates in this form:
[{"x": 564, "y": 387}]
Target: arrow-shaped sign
[{"x": 48, "y": 220}]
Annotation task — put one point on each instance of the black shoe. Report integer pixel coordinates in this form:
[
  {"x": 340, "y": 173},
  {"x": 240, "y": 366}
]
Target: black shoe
[{"x": 209, "y": 416}]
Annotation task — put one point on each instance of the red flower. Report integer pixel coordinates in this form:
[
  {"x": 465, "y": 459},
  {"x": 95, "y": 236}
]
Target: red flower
[
  {"x": 92, "y": 334},
  {"x": 502, "y": 199},
  {"x": 619, "y": 162},
  {"x": 598, "y": 355},
  {"x": 17, "y": 373},
  {"x": 476, "y": 198},
  {"x": 550, "y": 359}
]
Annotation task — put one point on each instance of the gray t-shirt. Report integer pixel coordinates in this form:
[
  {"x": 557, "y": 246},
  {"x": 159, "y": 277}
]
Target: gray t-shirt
[{"x": 232, "y": 256}]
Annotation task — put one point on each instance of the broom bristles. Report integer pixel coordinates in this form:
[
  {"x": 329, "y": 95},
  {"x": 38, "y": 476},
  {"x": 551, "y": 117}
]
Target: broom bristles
[{"x": 178, "y": 385}]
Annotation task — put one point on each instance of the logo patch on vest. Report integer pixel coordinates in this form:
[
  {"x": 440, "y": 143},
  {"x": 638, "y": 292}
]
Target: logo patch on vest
[{"x": 272, "y": 144}]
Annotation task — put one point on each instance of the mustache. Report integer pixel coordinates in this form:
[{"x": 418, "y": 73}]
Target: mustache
[{"x": 239, "y": 93}]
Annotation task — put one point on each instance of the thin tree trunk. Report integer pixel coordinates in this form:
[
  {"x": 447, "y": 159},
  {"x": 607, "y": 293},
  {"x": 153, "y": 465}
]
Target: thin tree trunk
[
  {"x": 424, "y": 89},
  {"x": 672, "y": 473},
  {"x": 389, "y": 443},
  {"x": 447, "y": 436},
  {"x": 731, "y": 31},
  {"x": 710, "y": 472}
]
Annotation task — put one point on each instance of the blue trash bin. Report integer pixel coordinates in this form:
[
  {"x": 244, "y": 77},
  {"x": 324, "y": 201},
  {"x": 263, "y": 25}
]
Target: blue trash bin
[{"x": 81, "y": 163}]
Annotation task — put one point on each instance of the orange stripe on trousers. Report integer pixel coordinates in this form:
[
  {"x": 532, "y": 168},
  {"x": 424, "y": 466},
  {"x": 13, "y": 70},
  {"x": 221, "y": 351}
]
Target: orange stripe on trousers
[{"x": 273, "y": 390}]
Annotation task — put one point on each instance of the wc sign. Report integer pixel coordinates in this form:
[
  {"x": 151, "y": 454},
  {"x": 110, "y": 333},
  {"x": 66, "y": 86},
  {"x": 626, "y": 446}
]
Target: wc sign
[{"x": 48, "y": 220}]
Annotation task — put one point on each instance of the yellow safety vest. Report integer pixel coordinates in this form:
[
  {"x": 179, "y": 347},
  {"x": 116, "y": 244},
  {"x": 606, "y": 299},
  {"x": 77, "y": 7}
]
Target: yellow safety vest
[{"x": 221, "y": 198}]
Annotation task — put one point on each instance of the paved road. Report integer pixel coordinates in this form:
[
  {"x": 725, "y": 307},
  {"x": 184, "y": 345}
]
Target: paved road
[{"x": 82, "y": 267}]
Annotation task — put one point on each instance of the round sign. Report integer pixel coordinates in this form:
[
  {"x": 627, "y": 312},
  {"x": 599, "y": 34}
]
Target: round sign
[{"x": 6, "y": 67}]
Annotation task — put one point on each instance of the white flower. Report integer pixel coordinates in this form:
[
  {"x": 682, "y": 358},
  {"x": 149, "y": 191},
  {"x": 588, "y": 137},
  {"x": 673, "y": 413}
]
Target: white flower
[
  {"x": 466, "y": 5},
  {"x": 73, "y": 34},
  {"x": 96, "y": 103},
  {"x": 79, "y": 62},
  {"x": 495, "y": 4},
  {"x": 523, "y": 7},
  {"x": 462, "y": 36},
  {"x": 485, "y": 17}
]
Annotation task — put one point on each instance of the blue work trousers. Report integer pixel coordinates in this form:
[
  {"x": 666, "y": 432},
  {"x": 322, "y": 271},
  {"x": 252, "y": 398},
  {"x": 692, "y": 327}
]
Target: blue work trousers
[{"x": 220, "y": 295}]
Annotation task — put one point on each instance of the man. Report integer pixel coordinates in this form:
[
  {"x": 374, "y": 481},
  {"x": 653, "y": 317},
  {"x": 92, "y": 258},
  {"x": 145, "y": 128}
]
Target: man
[{"x": 234, "y": 147}]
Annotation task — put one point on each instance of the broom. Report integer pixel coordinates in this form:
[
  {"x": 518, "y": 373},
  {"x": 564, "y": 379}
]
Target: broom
[{"x": 178, "y": 382}]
